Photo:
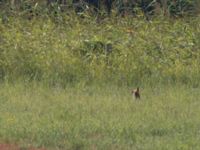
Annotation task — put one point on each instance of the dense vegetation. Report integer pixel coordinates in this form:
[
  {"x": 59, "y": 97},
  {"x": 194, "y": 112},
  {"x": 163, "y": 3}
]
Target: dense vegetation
[
  {"x": 174, "y": 8},
  {"x": 68, "y": 48}
]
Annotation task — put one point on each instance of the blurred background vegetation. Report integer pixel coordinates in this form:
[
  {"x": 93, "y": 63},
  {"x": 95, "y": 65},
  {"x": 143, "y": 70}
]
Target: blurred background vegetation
[
  {"x": 168, "y": 7},
  {"x": 138, "y": 42}
]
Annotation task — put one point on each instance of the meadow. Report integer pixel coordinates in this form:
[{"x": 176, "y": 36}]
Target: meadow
[
  {"x": 66, "y": 82},
  {"x": 166, "y": 118}
]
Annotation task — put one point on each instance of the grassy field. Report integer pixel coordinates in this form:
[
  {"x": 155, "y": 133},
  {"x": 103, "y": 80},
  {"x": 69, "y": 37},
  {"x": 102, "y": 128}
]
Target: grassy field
[
  {"x": 65, "y": 82},
  {"x": 106, "y": 117}
]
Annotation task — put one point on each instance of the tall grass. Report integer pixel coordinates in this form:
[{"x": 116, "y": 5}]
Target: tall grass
[{"x": 71, "y": 49}]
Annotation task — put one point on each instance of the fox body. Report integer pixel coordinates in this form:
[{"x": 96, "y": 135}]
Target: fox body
[{"x": 136, "y": 93}]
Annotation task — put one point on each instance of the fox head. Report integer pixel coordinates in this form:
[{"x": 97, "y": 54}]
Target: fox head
[{"x": 137, "y": 90}]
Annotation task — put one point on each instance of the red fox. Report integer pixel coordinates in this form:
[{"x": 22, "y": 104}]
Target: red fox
[{"x": 136, "y": 93}]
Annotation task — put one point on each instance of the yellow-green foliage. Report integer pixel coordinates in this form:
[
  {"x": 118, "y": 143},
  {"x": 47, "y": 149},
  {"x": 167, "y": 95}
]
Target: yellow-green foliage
[{"x": 69, "y": 48}]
